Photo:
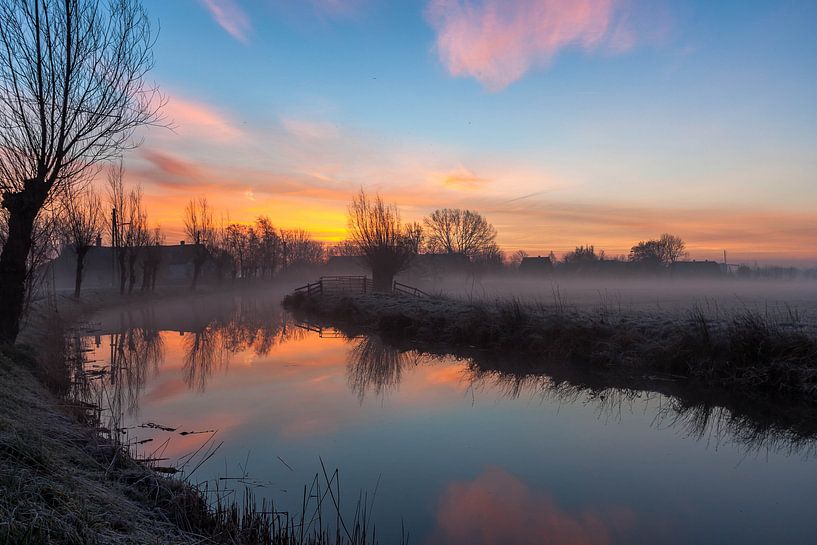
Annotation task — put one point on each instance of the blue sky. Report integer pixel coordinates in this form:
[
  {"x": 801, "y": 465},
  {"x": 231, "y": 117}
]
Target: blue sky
[{"x": 595, "y": 121}]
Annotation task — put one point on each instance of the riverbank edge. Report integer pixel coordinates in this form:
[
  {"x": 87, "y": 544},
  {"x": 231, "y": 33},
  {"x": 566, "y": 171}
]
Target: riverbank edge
[
  {"x": 62, "y": 480},
  {"x": 745, "y": 354}
]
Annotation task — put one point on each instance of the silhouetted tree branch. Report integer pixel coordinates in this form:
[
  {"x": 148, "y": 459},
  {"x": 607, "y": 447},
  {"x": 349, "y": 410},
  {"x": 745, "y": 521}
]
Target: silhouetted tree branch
[
  {"x": 80, "y": 225},
  {"x": 72, "y": 92},
  {"x": 387, "y": 246}
]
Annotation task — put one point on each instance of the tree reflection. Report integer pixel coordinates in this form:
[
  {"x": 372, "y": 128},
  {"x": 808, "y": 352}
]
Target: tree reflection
[
  {"x": 755, "y": 427},
  {"x": 376, "y": 367},
  {"x": 251, "y": 326},
  {"x": 204, "y": 353},
  {"x": 115, "y": 386}
]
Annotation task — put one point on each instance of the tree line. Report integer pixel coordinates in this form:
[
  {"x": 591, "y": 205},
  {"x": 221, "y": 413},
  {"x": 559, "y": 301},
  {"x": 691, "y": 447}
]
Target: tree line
[{"x": 80, "y": 217}]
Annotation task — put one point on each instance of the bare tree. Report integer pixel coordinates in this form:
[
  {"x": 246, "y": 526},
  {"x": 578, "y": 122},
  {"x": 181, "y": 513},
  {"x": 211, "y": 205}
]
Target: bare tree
[
  {"x": 647, "y": 252},
  {"x": 673, "y": 248},
  {"x": 152, "y": 259},
  {"x": 456, "y": 231},
  {"x": 80, "y": 226},
  {"x": 72, "y": 91},
  {"x": 44, "y": 248},
  {"x": 137, "y": 233},
  {"x": 235, "y": 243},
  {"x": 198, "y": 225},
  {"x": 219, "y": 251},
  {"x": 517, "y": 257},
  {"x": 118, "y": 222},
  {"x": 387, "y": 246},
  {"x": 270, "y": 246},
  {"x": 302, "y": 249},
  {"x": 345, "y": 248},
  {"x": 665, "y": 250},
  {"x": 582, "y": 255},
  {"x": 127, "y": 227}
]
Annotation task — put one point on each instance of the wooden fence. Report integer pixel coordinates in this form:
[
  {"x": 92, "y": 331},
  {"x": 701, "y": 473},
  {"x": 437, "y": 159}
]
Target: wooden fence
[
  {"x": 404, "y": 289},
  {"x": 353, "y": 284}
]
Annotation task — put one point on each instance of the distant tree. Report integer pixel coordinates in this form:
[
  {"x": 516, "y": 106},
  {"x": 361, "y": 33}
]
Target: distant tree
[
  {"x": 220, "y": 252},
  {"x": 582, "y": 254},
  {"x": 44, "y": 248},
  {"x": 673, "y": 248},
  {"x": 152, "y": 260},
  {"x": 665, "y": 250},
  {"x": 127, "y": 225},
  {"x": 72, "y": 91},
  {"x": 137, "y": 233},
  {"x": 80, "y": 225},
  {"x": 387, "y": 246},
  {"x": 345, "y": 248},
  {"x": 646, "y": 252},
  {"x": 235, "y": 243},
  {"x": 457, "y": 231},
  {"x": 489, "y": 258},
  {"x": 302, "y": 249},
  {"x": 516, "y": 258},
  {"x": 198, "y": 226},
  {"x": 270, "y": 246},
  {"x": 414, "y": 235}
]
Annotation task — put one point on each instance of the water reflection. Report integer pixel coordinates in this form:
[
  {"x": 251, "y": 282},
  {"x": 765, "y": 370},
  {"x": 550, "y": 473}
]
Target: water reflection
[
  {"x": 377, "y": 368},
  {"x": 205, "y": 352},
  {"x": 117, "y": 384},
  {"x": 469, "y": 454},
  {"x": 253, "y": 326},
  {"x": 497, "y": 507}
]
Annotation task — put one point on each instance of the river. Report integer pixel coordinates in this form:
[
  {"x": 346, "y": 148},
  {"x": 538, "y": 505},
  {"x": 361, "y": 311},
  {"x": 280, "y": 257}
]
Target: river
[{"x": 439, "y": 449}]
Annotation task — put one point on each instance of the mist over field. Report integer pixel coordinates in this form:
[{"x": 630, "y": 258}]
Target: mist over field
[{"x": 666, "y": 296}]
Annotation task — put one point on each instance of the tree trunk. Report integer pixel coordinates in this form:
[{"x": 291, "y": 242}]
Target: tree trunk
[
  {"x": 382, "y": 279},
  {"x": 81, "y": 253},
  {"x": 23, "y": 208},
  {"x": 131, "y": 272},
  {"x": 123, "y": 274}
]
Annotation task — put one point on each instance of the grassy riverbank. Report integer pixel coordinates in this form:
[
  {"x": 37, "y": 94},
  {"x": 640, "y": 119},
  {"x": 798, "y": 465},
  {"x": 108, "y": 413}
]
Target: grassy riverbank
[
  {"x": 743, "y": 351},
  {"x": 61, "y": 483}
]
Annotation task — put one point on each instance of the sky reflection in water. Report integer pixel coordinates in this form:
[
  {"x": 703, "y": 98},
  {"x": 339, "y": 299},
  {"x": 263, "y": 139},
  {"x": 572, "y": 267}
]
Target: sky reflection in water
[{"x": 463, "y": 458}]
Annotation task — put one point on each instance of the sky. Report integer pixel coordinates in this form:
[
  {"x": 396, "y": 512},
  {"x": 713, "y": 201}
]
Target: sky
[{"x": 601, "y": 122}]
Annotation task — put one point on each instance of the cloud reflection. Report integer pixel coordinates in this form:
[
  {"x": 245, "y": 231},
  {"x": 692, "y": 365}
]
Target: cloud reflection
[{"x": 497, "y": 507}]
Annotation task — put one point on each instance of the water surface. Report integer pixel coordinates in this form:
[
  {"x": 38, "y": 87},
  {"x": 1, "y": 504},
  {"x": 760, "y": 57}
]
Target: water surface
[{"x": 455, "y": 455}]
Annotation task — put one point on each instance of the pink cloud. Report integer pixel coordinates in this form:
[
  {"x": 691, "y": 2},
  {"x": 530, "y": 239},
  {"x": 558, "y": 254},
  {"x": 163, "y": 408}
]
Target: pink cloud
[
  {"x": 498, "y": 41},
  {"x": 229, "y": 15},
  {"x": 198, "y": 120},
  {"x": 462, "y": 179},
  {"x": 171, "y": 165}
]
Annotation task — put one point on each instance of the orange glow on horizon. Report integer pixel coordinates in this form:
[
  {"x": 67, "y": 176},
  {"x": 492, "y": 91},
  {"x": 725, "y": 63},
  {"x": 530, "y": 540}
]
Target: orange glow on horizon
[{"x": 746, "y": 235}]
